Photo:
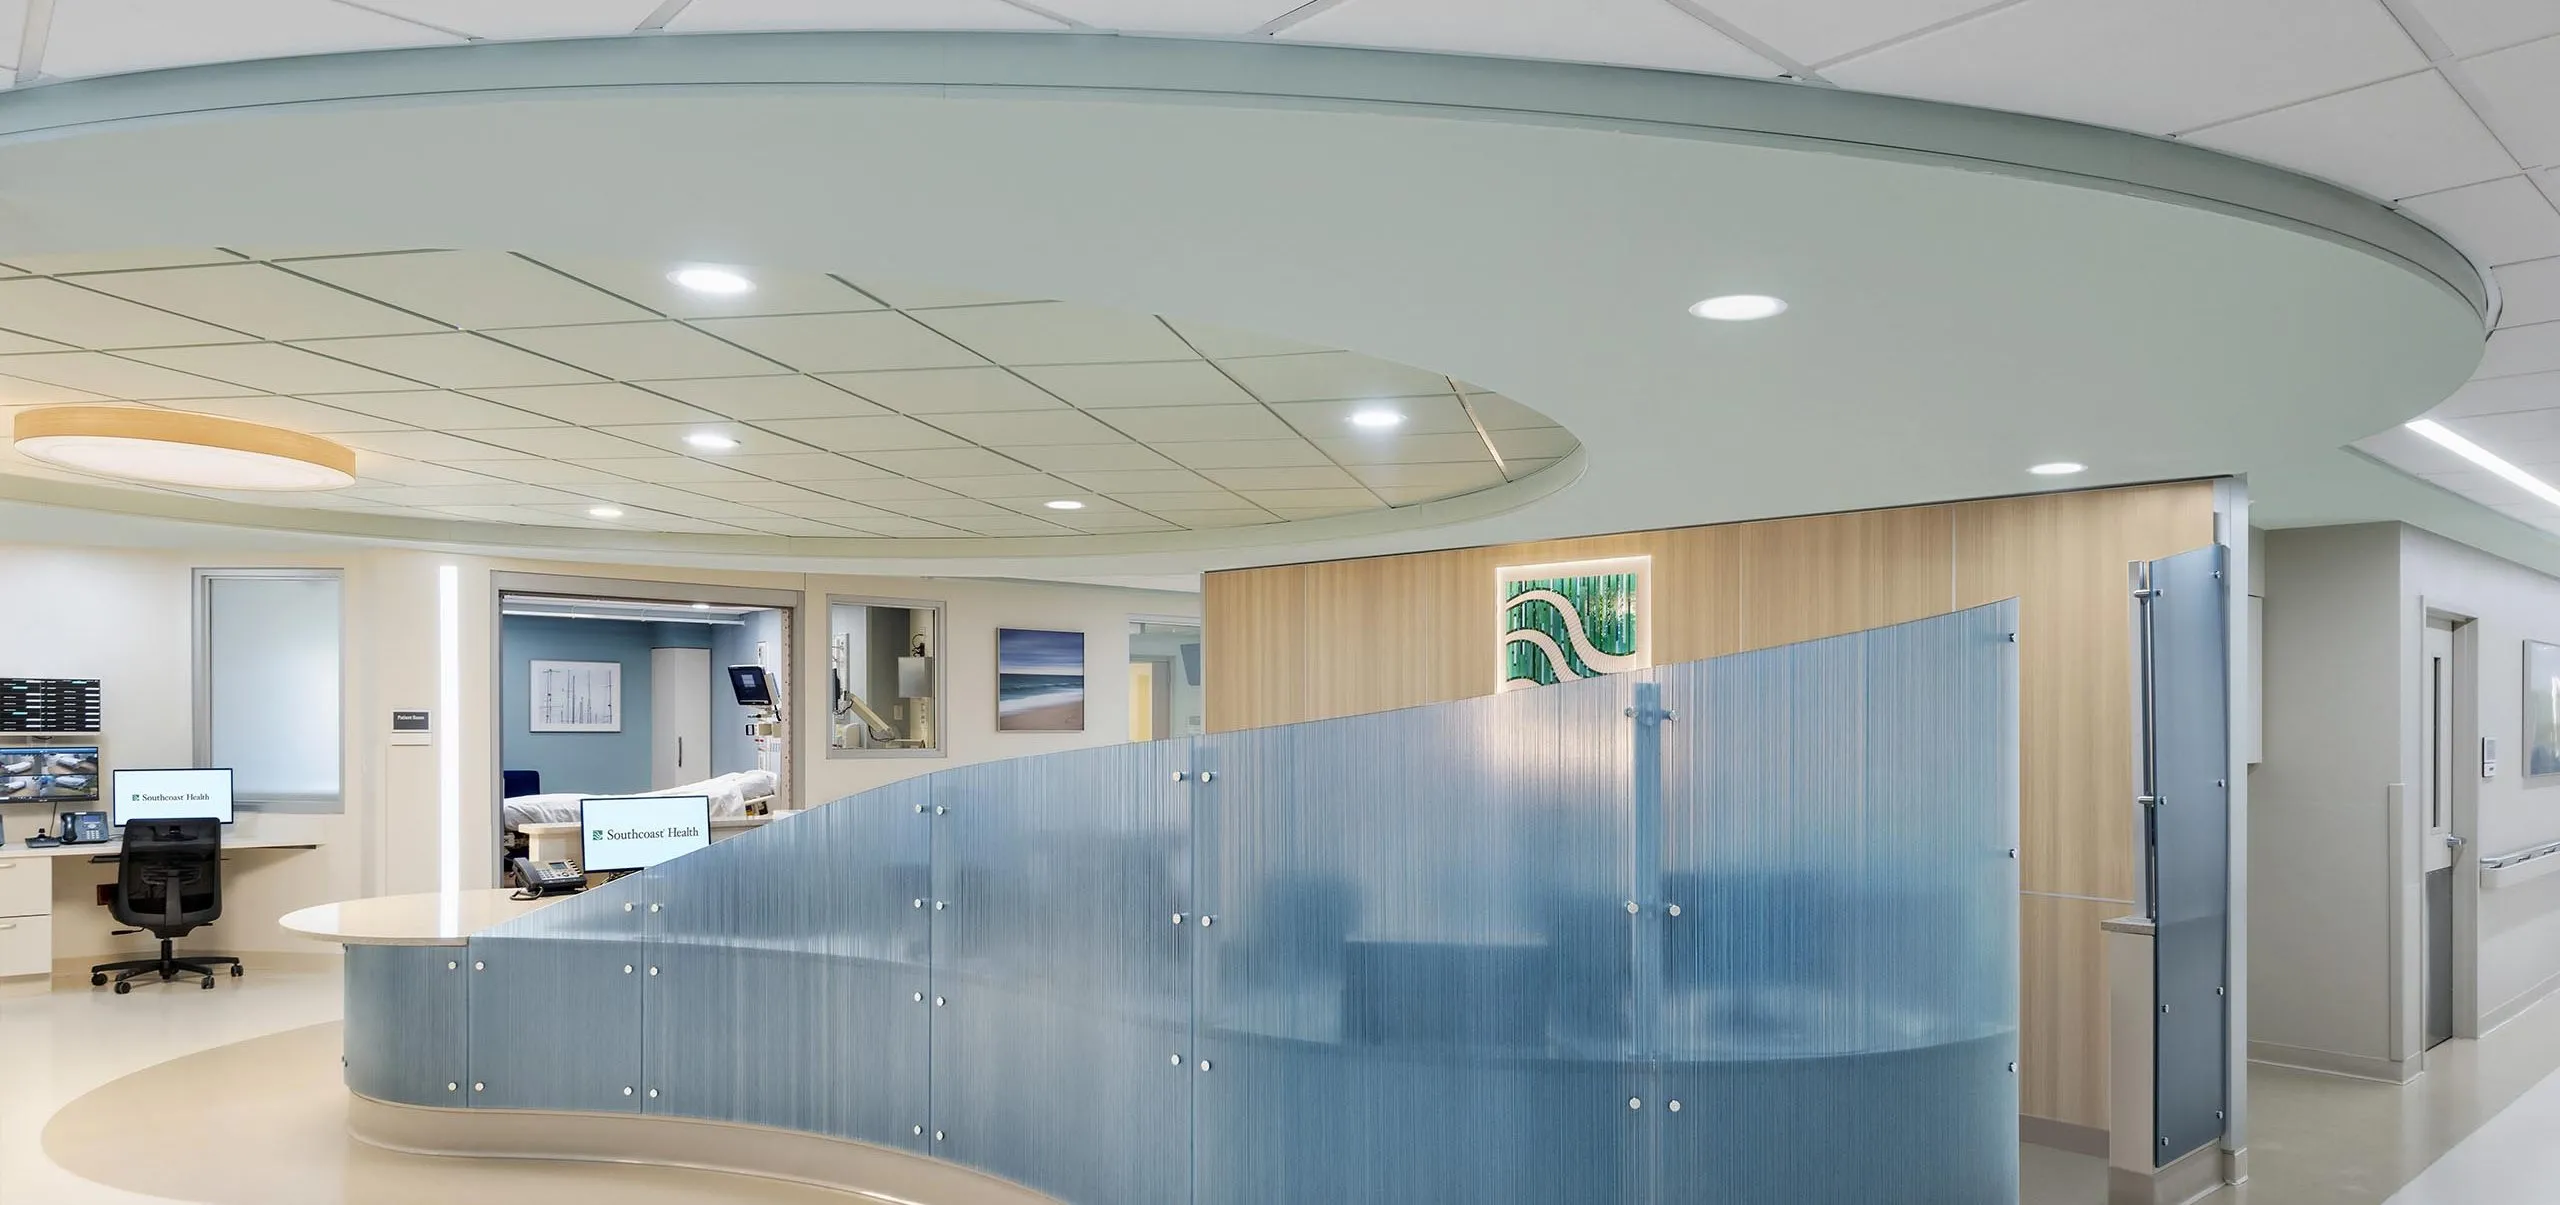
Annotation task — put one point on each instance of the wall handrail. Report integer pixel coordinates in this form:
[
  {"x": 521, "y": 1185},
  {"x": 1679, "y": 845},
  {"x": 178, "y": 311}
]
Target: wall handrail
[{"x": 2517, "y": 857}]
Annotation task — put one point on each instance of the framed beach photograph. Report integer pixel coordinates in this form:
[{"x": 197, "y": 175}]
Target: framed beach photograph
[
  {"x": 2541, "y": 709},
  {"x": 577, "y": 696},
  {"x": 1039, "y": 680}
]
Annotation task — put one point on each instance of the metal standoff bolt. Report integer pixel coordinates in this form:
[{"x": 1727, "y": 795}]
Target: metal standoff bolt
[
  {"x": 1672, "y": 1105},
  {"x": 653, "y": 907},
  {"x": 937, "y": 1136},
  {"x": 919, "y": 1131},
  {"x": 1177, "y": 917},
  {"x": 1207, "y": 921},
  {"x": 1635, "y": 1102},
  {"x": 1204, "y": 1064},
  {"x": 479, "y": 1087},
  {"x": 1208, "y": 776},
  {"x": 2013, "y": 1068},
  {"x": 2217, "y": 1114},
  {"x": 479, "y": 966},
  {"x": 2217, "y": 991},
  {"x": 919, "y": 997},
  {"x": 1177, "y": 1058},
  {"x": 626, "y": 1089},
  {"x": 939, "y": 1002},
  {"x": 1634, "y": 908},
  {"x": 1182, "y": 776},
  {"x": 653, "y": 971},
  {"x": 919, "y": 809},
  {"x": 2164, "y": 1142},
  {"x": 1671, "y": 909},
  {"x": 653, "y": 1094},
  {"x": 452, "y": 966},
  {"x": 919, "y": 903},
  {"x": 450, "y": 1086},
  {"x": 940, "y": 810},
  {"x": 2013, "y": 853},
  {"x": 626, "y": 968},
  {"x": 939, "y": 905},
  {"x": 2164, "y": 1010},
  {"x": 626, "y": 907}
]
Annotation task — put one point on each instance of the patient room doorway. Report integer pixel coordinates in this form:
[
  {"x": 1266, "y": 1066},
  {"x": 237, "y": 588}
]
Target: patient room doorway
[{"x": 629, "y": 688}]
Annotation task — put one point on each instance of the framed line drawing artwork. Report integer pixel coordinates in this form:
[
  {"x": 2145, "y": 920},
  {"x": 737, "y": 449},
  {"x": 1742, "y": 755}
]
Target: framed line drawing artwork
[{"x": 576, "y": 696}]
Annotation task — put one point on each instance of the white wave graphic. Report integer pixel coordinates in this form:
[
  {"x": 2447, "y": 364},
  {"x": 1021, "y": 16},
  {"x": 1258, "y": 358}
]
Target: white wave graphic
[{"x": 1574, "y": 630}]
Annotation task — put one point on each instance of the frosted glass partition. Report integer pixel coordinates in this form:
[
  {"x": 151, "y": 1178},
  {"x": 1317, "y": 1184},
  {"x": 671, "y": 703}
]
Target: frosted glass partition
[{"x": 1737, "y": 930}]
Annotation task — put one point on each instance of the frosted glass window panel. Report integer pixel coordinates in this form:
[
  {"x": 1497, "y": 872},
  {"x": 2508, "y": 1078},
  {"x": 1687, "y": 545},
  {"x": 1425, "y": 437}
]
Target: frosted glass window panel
[
  {"x": 269, "y": 661},
  {"x": 2189, "y": 718},
  {"x": 1417, "y": 985}
]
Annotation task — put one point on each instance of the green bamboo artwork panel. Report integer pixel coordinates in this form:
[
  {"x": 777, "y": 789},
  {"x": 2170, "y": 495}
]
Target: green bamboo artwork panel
[{"x": 1570, "y": 625}]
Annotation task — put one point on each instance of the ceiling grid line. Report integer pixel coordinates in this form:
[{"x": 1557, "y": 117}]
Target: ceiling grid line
[
  {"x": 34, "y": 32},
  {"x": 1794, "y": 69}
]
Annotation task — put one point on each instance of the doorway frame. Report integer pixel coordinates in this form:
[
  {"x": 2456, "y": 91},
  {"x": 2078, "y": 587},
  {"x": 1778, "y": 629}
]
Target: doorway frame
[{"x": 2408, "y": 831}]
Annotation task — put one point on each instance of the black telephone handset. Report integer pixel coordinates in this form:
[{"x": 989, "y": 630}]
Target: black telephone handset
[{"x": 549, "y": 878}]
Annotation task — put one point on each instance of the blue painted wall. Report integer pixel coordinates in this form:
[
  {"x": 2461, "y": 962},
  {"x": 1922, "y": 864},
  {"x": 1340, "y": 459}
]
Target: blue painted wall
[{"x": 604, "y": 763}]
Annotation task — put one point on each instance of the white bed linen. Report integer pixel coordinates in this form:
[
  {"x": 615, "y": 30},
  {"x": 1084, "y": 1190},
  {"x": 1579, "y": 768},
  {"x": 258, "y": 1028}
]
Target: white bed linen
[{"x": 729, "y": 794}]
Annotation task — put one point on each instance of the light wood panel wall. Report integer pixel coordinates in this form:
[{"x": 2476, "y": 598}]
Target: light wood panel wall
[{"x": 1302, "y": 642}]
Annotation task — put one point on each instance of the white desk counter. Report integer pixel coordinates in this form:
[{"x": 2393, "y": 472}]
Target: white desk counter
[
  {"x": 426, "y": 919},
  {"x": 18, "y": 849},
  {"x": 560, "y": 841},
  {"x": 27, "y": 892}
]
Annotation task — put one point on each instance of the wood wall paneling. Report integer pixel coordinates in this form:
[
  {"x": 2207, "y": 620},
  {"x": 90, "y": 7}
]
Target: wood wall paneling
[
  {"x": 1804, "y": 579},
  {"x": 2062, "y": 1009}
]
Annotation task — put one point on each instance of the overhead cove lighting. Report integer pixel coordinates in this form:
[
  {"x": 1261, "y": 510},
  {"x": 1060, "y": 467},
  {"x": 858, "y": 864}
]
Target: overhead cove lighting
[
  {"x": 2486, "y": 459},
  {"x": 719, "y": 282},
  {"x": 165, "y": 447},
  {"x": 1739, "y": 307},
  {"x": 2058, "y": 468}
]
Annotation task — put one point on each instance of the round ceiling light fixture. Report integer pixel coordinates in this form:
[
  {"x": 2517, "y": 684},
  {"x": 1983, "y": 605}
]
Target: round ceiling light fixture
[
  {"x": 719, "y": 282},
  {"x": 603, "y": 512},
  {"x": 710, "y": 441},
  {"x": 1064, "y": 504},
  {"x": 1739, "y": 307},
  {"x": 2058, "y": 468},
  {"x": 166, "y": 447},
  {"x": 1377, "y": 418}
]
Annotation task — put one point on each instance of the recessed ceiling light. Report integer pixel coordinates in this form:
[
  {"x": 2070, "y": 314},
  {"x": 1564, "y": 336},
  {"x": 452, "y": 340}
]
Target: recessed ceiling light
[
  {"x": 2058, "y": 468},
  {"x": 1065, "y": 504},
  {"x": 172, "y": 448},
  {"x": 603, "y": 512},
  {"x": 719, "y": 282},
  {"x": 1739, "y": 307},
  {"x": 710, "y": 442},
  {"x": 702, "y": 606},
  {"x": 1377, "y": 418},
  {"x": 2486, "y": 459}
]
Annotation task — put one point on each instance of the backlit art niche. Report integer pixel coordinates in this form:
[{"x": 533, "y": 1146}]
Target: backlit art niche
[{"x": 1573, "y": 620}]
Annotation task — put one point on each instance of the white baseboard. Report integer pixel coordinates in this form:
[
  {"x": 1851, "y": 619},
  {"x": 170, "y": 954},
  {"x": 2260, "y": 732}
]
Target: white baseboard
[
  {"x": 2063, "y": 1136},
  {"x": 2330, "y": 1062},
  {"x": 2492, "y": 1018}
]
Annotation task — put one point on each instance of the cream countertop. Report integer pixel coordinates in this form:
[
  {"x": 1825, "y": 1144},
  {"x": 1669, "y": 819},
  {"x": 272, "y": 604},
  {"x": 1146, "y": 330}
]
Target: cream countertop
[{"x": 425, "y": 919}]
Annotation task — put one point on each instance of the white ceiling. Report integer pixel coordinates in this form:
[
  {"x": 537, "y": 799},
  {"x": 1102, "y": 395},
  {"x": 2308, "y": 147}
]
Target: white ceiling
[
  {"x": 513, "y": 388},
  {"x": 2448, "y": 109}
]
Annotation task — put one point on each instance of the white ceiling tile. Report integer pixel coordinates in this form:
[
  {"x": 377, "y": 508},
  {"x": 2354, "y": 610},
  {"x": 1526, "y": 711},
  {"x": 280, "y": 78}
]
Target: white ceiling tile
[
  {"x": 1159, "y": 501},
  {"x": 2393, "y": 139},
  {"x": 2517, "y": 350},
  {"x": 946, "y": 390},
  {"x": 1303, "y": 477},
  {"x": 1520, "y": 469},
  {"x": 1005, "y": 485},
  {"x": 264, "y": 301},
  {"x": 1631, "y": 33},
  {"x": 570, "y": 443},
  {"x": 941, "y": 462},
  {"x": 598, "y": 403},
  {"x": 1331, "y": 376},
  {"x": 842, "y": 342},
  {"x": 1206, "y": 520},
  {"x": 108, "y": 376},
  {"x": 2521, "y": 87},
  {"x": 685, "y": 471},
  {"x": 1535, "y": 443},
  {"x": 1408, "y": 449},
  {"x": 290, "y": 413},
  {"x": 375, "y": 467},
  {"x": 753, "y": 399},
  {"x": 272, "y": 368},
  {"x": 2520, "y": 430},
  {"x": 1057, "y": 332},
  {"x": 1440, "y": 480},
  {"x": 1174, "y": 16},
  {"x": 1063, "y": 458},
  {"x": 550, "y": 472},
  {"x": 919, "y": 295},
  {"x": 1440, "y": 415},
  {"x": 856, "y": 14},
  {"x": 1011, "y": 525},
  {"x": 1143, "y": 481},
  {"x": 860, "y": 435},
  {"x": 805, "y": 467},
  {"x": 64, "y": 313},
  {"x": 1226, "y": 342},
  {"x": 120, "y": 261},
  {"x": 502, "y": 494},
  {"x": 449, "y": 361},
  {"x": 878, "y": 489},
  {"x": 1284, "y": 501},
  {"x": 659, "y": 497},
  {"x": 772, "y": 495},
  {"x": 1165, "y": 383},
  {"x": 2531, "y": 292},
  {"x": 474, "y": 290},
  {"x": 776, "y": 292},
  {"x": 2498, "y": 395},
  {"x": 1814, "y": 33},
  {"x": 1495, "y": 412},
  {"x": 787, "y": 525},
  {"x": 2471, "y": 27},
  {"x": 2500, "y": 222},
  {"x": 1026, "y": 428},
  {"x": 640, "y": 351},
  {"x": 1246, "y": 454},
  {"x": 947, "y": 508},
  {"x": 439, "y": 409},
  {"x": 1159, "y": 424},
  {"x": 15, "y": 344},
  {"x": 910, "y": 529},
  {"x": 672, "y": 437},
  {"x": 96, "y": 37},
  {"x": 2158, "y": 66},
  {"x": 517, "y": 19},
  {"x": 526, "y": 515},
  {"x": 19, "y": 391},
  {"x": 1090, "y": 522},
  {"x": 1414, "y": 495},
  {"x": 433, "y": 447}
]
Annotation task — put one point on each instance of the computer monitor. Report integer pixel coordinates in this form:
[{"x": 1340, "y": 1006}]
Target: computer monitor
[
  {"x": 637, "y": 832},
  {"x": 169, "y": 795},
  {"x": 752, "y": 686}
]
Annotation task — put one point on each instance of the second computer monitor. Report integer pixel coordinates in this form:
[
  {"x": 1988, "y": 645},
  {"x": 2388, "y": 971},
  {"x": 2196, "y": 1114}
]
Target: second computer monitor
[
  {"x": 638, "y": 832},
  {"x": 169, "y": 795}
]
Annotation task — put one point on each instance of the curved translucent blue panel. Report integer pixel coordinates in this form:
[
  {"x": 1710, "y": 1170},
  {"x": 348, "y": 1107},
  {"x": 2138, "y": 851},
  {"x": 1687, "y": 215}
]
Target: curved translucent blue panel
[
  {"x": 2189, "y": 717},
  {"x": 1062, "y": 1026},
  {"x": 407, "y": 1033},
  {"x": 1416, "y": 987},
  {"x": 1838, "y": 984},
  {"x": 786, "y": 969},
  {"x": 555, "y": 1004}
]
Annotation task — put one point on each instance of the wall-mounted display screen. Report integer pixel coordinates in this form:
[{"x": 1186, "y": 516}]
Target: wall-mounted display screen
[
  {"x": 49, "y": 705},
  {"x": 49, "y": 773},
  {"x": 170, "y": 795}
]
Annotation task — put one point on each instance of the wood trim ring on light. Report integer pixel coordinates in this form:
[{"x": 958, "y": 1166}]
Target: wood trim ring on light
[{"x": 177, "y": 427}]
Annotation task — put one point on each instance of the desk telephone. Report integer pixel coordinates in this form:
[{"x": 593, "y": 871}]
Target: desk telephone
[
  {"x": 537, "y": 879},
  {"x": 78, "y": 828}
]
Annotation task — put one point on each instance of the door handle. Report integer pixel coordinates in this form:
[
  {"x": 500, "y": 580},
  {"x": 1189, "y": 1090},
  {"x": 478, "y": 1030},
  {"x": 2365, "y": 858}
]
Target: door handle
[
  {"x": 2452, "y": 841},
  {"x": 679, "y": 751}
]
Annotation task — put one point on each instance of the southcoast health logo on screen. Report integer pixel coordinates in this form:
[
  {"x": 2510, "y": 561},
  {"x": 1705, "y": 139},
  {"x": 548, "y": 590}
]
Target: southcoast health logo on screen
[{"x": 677, "y": 832}]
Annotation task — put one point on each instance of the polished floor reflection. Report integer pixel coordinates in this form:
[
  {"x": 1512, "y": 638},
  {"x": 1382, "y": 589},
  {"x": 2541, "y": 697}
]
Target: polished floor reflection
[{"x": 236, "y": 1097}]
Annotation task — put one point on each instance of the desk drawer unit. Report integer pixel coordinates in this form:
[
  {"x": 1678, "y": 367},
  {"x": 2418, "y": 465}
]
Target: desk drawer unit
[
  {"x": 26, "y": 945},
  {"x": 26, "y": 887}
]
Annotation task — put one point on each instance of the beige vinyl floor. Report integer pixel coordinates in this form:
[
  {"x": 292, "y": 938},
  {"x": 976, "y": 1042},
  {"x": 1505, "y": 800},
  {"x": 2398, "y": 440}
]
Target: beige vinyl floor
[{"x": 232, "y": 1097}]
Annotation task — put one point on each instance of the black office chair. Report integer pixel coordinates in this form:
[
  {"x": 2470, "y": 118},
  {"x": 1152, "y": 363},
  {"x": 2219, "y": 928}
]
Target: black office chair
[{"x": 169, "y": 881}]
